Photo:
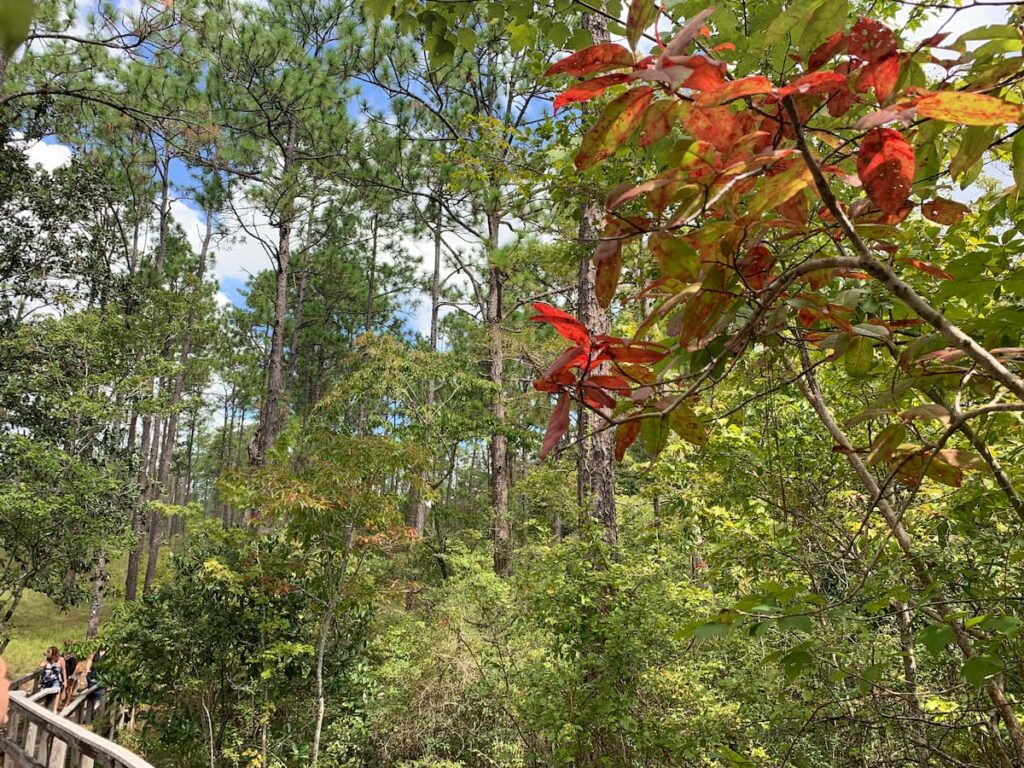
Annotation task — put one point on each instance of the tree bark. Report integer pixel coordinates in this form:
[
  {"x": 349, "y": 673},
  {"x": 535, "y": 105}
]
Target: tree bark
[
  {"x": 595, "y": 457},
  {"x": 499, "y": 480},
  {"x": 131, "y": 583},
  {"x": 270, "y": 412},
  {"x": 99, "y": 578}
]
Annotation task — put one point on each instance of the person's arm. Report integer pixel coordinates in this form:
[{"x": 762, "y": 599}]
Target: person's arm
[
  {"x": 4, "y": 692},
  {"x": 63, "y": 674}
]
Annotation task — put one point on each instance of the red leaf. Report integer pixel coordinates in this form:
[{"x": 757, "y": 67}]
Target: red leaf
[
  {"x": 567, "y": 326},
  {"x": 719, "y": 126},
  {"x": 573, "y": 357},
  {"x": 618, "y": 384},
  {"x": 706, "y": 74},
  {"x": 620, "y": 119},
  {"x": 885, "y": 164},
  {"x": 929, "y": 269},
  {"x": 635, "y": 353},
  {"x": 968, "y": 108},
  {"x": 746, "y": 86},
  {"x": 724, "y": 47},
  {"x": 944, "y": 212},
  {"x": 833, "y": 45},
  {"x": 871, "y": 40},
  {"x": 588, "y": 90},
  {"x": 557, "y": 425},
  {"x": 881, "y": 75},
  {"x": 596, "y": 58},
  {"x": 756, "y": 267},
  {"x": 625, "y": 435}
]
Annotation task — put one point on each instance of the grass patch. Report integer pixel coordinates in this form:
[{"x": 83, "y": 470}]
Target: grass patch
[{"x": 39, "y": 623}]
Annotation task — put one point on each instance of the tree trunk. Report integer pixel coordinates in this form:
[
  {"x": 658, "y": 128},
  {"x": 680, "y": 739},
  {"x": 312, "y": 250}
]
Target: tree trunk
[
  {"x": 131, "y": 582},
  {"x": 270, "y": 412},
  {"x": 498, "y": 441},
  {"x": 321, "y": 649},
  {"x": 595, "y": 458},
  {"x": 99, "y": 578},
  {"x": 171, "y": 429}
]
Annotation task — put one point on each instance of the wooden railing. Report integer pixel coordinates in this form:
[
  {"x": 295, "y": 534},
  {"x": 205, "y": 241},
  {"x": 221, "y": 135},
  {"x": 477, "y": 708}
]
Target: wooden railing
[{"x": 36, "y": 737}]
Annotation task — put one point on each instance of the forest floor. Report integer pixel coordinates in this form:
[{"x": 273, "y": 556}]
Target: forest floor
[{"x": 39, "y": 622}]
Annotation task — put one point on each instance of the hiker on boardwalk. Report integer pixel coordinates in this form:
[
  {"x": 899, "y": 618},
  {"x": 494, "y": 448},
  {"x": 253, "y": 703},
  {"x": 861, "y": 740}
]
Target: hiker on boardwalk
[
  {"x": 53, "y": 679},
  {"x": 72, "y": 674}
]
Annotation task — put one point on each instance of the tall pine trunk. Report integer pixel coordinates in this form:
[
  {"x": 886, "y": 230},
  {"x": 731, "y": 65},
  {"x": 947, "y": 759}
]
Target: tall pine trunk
[
  {"x": 498, "y": 442},
  {"x": 171, "y": 429},
  {"x": 595, "y": 460},
  {"x": 270, "y": 412}
]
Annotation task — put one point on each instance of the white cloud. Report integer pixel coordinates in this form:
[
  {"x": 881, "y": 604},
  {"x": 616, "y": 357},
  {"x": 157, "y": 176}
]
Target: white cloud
[
  {"x": 50, "y": 156},
  {"x": 237, "y": 255}
]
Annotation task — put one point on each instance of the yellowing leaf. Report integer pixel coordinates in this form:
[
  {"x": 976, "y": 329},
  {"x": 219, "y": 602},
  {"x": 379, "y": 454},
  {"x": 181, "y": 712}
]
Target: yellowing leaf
[
  {"x": 15, "y": 19},
  {"x": 685, "y": 423},
  {"x": 968, "y": 108},
  {"x": 781, "y": 187},
  {"x": 859, "y": 357},
  {"x": 618, "y": 122}
]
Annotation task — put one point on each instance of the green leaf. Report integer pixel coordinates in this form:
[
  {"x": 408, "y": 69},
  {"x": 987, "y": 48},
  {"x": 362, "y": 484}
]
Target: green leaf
[
  {"x": 981, "y": 668},
  {"x": 466, "y": 38},
  {"x": 936, "y": 637},
  {"x": 975, "y": 141},
  {"x": 828, "y": 18},
  {"x": 1017, "y": 154},
  {"x": 860, "y": 357},
  {"x": 521, "y": 36},
  {"x": 15, "y": 20},
  {"x": 654, "y": 433},
  {"x": 794, "y": 663},
  {"x": 790, "y": 21},
  {"x": 798, "y": 623}
]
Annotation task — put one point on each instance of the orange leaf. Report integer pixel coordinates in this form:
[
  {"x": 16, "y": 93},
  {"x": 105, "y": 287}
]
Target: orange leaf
[
  {"x": 929, "y": 269},
  {"x": 625, "y": 435},
  {"x": 606, "y": 279},
  {"x": 885, "y": 164},
  {"x": 588, "y": 90},
  {"x": 746, "y": 86},
  {"x": 620, "y": 119},
  {"x": 881, "y": 75},
  {"x": 968, "y": 108},
  {"x": 596, "y": 58},
  {"x": 944, "y": 211}
]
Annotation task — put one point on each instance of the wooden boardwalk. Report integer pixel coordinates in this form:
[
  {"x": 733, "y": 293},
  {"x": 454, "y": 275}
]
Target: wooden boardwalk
[{"x": 37, "y": 737}]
